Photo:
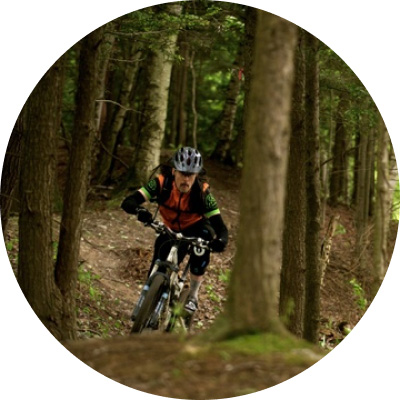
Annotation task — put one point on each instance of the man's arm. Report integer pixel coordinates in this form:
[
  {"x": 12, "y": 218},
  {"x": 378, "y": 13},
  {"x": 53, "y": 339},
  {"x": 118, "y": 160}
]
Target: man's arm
[
  {"x": 220, "y": 228},
  {"x": 131, "y": 203},
  {"x": 147, "y": 192}
]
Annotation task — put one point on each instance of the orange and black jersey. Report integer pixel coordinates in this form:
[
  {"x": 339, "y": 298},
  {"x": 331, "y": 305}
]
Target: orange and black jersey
[{"x": 180, "y": 210}]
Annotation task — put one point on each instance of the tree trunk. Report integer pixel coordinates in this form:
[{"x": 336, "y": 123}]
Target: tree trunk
[
  {"x": 393, "y": 177},
  {"x": 35, "y": 261},
  {"x": 325, "y": 164},
  {"x": 222, "y": 151},
  {"x": 109, "y": 136},
  {"x": 10, "y": 173},
  {"x": 291, "y": 302},
  {"x": 77, "y": 180},
  {"x": 363, "y": 201},
  {"x": 382, "y": 210},
  {"x": 174, "y": 100},
  {"x": 159, "y": 64},
  {"x": 194, "y": 100},
  {"x": 338, "y": 181},
  {"x": 104, "y": 60},
  {"x": 357, "y": 165},
  {"x": 250, "y": 31},
  {"x": 313, "y": 267},
  {"x": 253, "y": 298},
  {"x": 183, "y": 94}
]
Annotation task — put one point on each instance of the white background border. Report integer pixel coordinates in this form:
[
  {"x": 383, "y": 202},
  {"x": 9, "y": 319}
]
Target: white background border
[{"x": 34, "y": 34}]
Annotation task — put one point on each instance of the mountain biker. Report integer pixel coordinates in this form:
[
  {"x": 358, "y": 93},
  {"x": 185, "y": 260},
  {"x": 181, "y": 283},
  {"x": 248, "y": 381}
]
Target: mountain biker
[{"x": 186, "y": 205}]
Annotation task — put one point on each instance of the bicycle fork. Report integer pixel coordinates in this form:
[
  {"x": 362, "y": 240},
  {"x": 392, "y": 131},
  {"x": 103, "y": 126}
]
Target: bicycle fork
[{"x": 155, "y": 317}]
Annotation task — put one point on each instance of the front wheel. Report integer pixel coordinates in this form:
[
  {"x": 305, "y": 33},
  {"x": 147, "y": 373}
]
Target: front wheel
[{"x": 149, "y": 304}]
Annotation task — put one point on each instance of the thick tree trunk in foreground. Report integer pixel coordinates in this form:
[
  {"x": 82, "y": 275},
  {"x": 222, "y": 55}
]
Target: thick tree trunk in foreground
[
  {"x": 77, "y": 181},
  {"x": 313, "y": 227},
  {"x": 35, "y": 262},
  {"x": 291, "y": 301},
  {"x": 253, "y": 298}
]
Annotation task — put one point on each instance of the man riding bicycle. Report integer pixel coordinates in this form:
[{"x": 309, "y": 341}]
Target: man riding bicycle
[{"x": 187, "y": 206}]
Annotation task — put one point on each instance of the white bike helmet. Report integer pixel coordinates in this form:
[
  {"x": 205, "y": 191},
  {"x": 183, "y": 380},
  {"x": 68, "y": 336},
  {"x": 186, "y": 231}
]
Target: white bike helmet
[{"x": 188, "y": 159}]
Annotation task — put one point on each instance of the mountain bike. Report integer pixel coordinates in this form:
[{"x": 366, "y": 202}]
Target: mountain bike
[{"x": 163, "y": 297}]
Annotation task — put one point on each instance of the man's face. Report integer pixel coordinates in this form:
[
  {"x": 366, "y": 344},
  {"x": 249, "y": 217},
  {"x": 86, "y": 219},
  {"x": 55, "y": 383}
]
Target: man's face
[{"x": 184, "y": 180}]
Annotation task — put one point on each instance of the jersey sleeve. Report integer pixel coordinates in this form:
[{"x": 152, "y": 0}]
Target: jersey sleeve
[
  {"x": 151, "y": 190},
  {"x": 210, "y": 205}
]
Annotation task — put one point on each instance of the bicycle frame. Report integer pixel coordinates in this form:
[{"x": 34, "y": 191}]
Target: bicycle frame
[{"x": 169, "y": 270}]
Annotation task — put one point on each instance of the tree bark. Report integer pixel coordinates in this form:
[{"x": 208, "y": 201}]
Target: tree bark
[
  {"x": 357, "y": 166},
  {"x": 10, "y": 173},
  {"x": 183, "y": 94},
  {"x": 363, "y": 201},
  {"x": 194, "y": 100},
  {"x": 222, "y": 151},
  {"x": 382, "y": 210},
  {"x": 313, "y": 267},
  {"x": 105, "y": 51},
  {"x": 250, "y": 31},
  {"x": 35, "y": 262},
  {"x": 159, "y": 64},
  {"x": 109, "y": 136},
  {"x": 291, "y": 302},
  {"x": 338, "y": 181},
  {"x": 253, "y": 293},
  {"x": 77, "y": 181}
]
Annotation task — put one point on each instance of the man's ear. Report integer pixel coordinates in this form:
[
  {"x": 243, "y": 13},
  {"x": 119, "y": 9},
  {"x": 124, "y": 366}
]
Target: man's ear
[{"x": 173, "y": 171}]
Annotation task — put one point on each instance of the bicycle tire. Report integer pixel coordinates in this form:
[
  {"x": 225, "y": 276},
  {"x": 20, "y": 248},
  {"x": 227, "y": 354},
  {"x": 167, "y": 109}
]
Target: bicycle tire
[{"x": 149, "y": 304}]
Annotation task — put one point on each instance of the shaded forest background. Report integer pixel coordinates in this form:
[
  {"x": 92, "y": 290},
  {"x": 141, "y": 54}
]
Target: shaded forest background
[{"x": 205, "y": 106}]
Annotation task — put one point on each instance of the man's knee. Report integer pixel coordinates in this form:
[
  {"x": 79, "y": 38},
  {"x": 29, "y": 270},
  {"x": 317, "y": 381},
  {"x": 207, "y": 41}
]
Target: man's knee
[{"x": 198, "y": 267}]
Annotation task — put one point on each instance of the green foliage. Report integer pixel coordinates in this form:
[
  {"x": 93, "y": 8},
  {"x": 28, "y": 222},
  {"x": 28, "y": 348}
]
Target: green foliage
[
  {"x": 340, "y": 230},
  {"x": 213, "y": 296},
  {"x": 55, "y": 250},
  {"x": 87, "y": 278},
  {"x": 10, "y": 244},
  {"x": 224, "y": 275},
  {"x": 358, "y": 291},
  {"x": 12, "y": 250}
]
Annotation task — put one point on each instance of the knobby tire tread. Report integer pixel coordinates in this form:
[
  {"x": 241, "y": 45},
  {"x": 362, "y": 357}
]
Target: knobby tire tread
[{"x": 149, "y": 304}]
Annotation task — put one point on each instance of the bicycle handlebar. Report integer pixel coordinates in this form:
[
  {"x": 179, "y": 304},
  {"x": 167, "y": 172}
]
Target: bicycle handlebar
[{"x": 160, "y": 227}]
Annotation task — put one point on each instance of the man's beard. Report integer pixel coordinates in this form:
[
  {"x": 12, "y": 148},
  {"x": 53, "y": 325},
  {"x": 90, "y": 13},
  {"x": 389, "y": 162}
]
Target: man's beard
[{"x": 184, "y": 188}]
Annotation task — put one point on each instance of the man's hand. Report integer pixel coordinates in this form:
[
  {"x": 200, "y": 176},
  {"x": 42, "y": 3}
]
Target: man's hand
[
  {"x": 217, "y": 245},
  {"x": 144, "y": 215}
]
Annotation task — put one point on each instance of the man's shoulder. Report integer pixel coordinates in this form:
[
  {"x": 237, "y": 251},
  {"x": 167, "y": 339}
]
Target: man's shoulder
[{"x": 210, "y": 202}]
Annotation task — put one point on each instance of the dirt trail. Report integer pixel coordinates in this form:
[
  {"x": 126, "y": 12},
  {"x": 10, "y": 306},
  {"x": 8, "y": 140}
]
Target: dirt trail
[{"x": 116, "y": 250}]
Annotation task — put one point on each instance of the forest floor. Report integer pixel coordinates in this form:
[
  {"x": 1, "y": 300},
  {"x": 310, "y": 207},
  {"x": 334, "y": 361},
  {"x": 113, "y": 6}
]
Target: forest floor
[{"x": 115, "y": 255}]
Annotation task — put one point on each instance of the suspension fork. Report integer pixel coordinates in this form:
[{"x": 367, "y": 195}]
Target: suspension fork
[{"x": 173, "y": 259}]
